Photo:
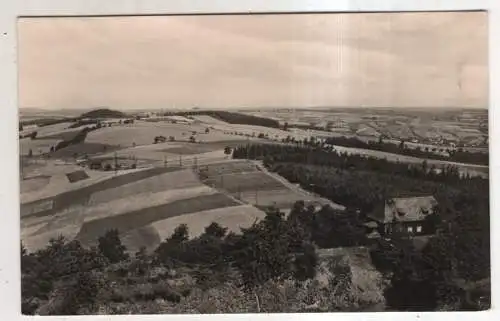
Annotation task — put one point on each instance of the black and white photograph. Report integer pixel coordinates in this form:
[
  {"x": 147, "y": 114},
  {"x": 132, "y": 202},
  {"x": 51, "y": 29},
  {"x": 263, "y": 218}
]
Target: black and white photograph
[{"x": 254, "y": 163}]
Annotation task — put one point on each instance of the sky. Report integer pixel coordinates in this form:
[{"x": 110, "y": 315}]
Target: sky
[{"x": 235, "y": 61}]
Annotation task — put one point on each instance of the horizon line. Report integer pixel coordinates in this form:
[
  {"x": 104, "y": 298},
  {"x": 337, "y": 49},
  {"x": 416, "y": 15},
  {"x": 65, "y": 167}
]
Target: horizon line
[{"x": 256, "y": 107}]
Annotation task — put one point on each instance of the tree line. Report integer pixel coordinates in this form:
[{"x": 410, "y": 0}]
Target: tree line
[
  {"x": 327, "y": 156},
  {"x": 233, "y": 118}
]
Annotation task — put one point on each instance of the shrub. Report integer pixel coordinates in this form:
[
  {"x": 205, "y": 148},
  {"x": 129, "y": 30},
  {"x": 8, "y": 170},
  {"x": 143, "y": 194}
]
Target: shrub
[{"x": 111, "y": 246}]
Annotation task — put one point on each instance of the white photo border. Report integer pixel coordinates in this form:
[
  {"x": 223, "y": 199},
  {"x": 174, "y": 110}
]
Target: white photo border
[{"x": 10, "y": 293}]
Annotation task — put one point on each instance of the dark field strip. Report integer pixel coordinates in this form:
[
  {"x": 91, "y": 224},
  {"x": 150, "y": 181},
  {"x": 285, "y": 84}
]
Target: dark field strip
[
  {"x": 83, "y": 148},
  {"x": 77, "y": 176},
  {"x": 81, "y": 196},
  {"x": 228, "y": 168},
  {"x": 68, "y": 135},
  {"x": 92, "y": 230},
  {"x": 256, "y": 181}
]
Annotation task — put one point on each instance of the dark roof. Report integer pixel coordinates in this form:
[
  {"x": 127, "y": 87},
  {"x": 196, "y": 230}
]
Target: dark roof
[{"x": 405, "y": 209}]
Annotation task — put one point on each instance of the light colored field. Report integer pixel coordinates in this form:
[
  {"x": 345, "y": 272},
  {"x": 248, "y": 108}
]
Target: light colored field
[
  {"x": 281, "y": 198},
  {"x": 37, "y": 146},
  {"x": 168, "y": 181},
  {"x": 34, "y": 184},
  {"x": 252, "y": 130},
  {"x": 64, "y": 134},
  {"x": 143, "y": 133},
  {"x": 38, "y": 207},
  {"x": 59, "y": 182},
  {"x": 138, "y": 133},
  {"x": 158, "y": 153},
  {"x": 39, "y": 241},
  {"x": 47, "y": 130},
  {"x": 34, "y": 221},
  {"x": 143, "y": 200},
  {"x": 209, "y": 120},
  {"x": 33, "y": 224},
  {"x": 72, "y": 217},
  {"x": 233, "y": 218}
]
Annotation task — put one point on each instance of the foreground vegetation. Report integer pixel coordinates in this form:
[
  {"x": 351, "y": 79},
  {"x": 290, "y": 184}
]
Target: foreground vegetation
[{"x": 65, "y": 278}]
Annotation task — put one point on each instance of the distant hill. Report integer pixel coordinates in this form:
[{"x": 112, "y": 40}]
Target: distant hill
[{"x": 104, "y": 113}]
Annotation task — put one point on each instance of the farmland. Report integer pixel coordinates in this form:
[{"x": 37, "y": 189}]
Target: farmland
[
  {"x": 143, "y": 133},
  {"x": 186, "y": 179},
  {"x": 91, "y": 230},
  {"x": 252, "y": 184},
  {"x": 468, "y": 128}
]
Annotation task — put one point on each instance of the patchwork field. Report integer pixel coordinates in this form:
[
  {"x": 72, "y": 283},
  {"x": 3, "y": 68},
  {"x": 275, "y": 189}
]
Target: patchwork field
[
  {"x": 425, "y": 126},
  {"x": 181, "y": 179},
  {"x": 91, "y": 230},
  {"x": 146, "y": 205},
  {"x": 191, "y": 183},
  {"x": 252, "y": 184},
  {"x": 174, "y": 154},
  {"x": 130, "y": 202},
  {"x": 81, "y": 196}
]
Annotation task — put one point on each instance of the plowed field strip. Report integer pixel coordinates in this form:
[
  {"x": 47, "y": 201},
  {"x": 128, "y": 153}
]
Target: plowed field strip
[
  {"x": 90, "y": 231},
  {"x": 81, "y": 196}
]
